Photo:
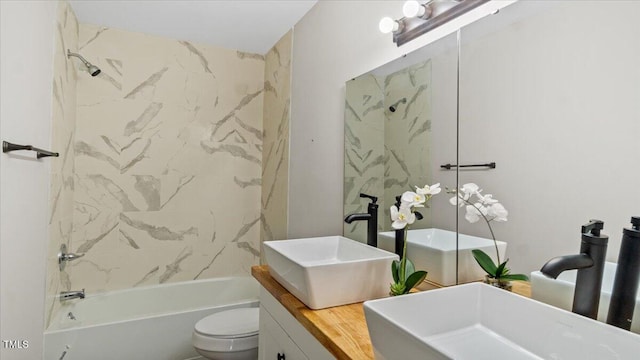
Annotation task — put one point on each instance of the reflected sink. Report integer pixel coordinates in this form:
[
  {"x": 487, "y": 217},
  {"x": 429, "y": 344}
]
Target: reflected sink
[
  {"x": 559, "y": 292},
  {"x": 477, "y": 321},
  {"x": 330, "y": 271},
  {"x": 434, "y": 250}
]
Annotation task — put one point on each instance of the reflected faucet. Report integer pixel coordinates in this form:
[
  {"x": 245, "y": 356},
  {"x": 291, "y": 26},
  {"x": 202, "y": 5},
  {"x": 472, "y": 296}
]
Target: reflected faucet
[
  {"x": 371, "y": 217},
  {"x": 590, "y": 266}
]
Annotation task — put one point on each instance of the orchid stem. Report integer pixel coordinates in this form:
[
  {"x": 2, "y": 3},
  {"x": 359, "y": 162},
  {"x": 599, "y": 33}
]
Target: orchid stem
[
  {"x": 495, "y": 243},
  {"x": 403, "y": 261}
]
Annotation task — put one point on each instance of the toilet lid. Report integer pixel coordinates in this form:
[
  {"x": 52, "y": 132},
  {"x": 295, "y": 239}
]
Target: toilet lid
[{"x": 230, "y": 323}]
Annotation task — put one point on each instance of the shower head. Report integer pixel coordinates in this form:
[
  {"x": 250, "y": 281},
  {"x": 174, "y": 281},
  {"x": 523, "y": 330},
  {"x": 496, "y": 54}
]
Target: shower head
[
  {"x": 92, "y": 69},
  {"x": 394, "y": 106}
]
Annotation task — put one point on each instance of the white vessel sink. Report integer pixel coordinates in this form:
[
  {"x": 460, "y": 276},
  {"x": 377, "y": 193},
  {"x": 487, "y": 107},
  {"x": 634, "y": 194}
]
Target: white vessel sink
[
  {"x": 434, "y": 250},
  {"x": 559, "y": 292},
  {"x": 477, "y": 321},
  {"x": 330, "y": 271}
]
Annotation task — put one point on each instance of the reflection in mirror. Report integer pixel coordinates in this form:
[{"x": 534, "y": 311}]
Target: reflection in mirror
[
  {"x": 400, "y": 124},
  {"x": 550, "y": 91}
]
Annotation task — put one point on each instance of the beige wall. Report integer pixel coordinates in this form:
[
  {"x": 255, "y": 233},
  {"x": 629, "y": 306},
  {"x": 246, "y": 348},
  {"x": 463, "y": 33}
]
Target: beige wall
[{"x": 275, "y": 149}]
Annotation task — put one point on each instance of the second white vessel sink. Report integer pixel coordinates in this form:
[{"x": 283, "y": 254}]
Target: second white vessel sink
[
  {"x": 559, "y": 292},
  {"x": 477, "y": 321},
  {"x": 330, "y": 271},
  {"x": 434, "y": 250}
]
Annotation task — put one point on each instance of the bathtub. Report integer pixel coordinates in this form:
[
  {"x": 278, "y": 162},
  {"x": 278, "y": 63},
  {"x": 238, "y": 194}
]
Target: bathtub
[{"x": 153, "y": 322}]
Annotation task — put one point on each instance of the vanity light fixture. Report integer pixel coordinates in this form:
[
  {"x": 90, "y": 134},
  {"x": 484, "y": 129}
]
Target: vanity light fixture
[
  {"x": 414, "y": 9},
  {"x": 420, "y": 18},
  {"x": 388, "y": 25}
]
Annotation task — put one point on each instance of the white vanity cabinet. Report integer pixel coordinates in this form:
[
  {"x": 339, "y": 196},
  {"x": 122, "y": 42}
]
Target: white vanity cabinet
[{"x": 282, "y": 337}]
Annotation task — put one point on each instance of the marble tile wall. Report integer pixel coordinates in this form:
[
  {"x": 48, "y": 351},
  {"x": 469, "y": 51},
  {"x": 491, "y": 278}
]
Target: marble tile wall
[
  {"x": 62, "y": 141},
  {"x": 275, "y": 137},
  {"x": 364, "y": 157},
  {"x": 407, "y": 132},
  {"x": 386, "y": 152},
  {"x": 168, "y": 161}
]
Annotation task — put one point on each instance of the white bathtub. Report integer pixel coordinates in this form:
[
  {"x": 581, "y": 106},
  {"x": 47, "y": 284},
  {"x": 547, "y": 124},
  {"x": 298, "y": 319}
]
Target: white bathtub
[{"x": 153, "y": 322}]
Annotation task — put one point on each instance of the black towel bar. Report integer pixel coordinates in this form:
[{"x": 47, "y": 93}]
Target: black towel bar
[
  {"x": 491, "y": 165},
  {"x": 7, "y": 147}
]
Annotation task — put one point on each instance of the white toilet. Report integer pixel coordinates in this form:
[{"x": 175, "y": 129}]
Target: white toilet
[{"x": 228, "y": 335}]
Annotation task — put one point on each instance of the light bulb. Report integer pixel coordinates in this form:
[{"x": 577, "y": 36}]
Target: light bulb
[
  {"x": 412, "y": 8},
  {"x": 388, "y": 25}
]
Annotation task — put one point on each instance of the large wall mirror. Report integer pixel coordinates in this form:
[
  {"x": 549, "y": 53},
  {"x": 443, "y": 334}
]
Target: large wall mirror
[
  {"x": 549, "y": 91},
  {"x": 400, "y": 125}
]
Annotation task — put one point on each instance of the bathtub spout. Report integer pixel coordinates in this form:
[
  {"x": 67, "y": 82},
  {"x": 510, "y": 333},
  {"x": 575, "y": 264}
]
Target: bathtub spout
[{"x": 68, "y": 295}]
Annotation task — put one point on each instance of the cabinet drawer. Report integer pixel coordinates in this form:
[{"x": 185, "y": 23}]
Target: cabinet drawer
[{"x": 275, "y": 344}]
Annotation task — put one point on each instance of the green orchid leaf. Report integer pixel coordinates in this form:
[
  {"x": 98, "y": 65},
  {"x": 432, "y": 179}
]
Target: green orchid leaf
[
  {"x": 485, "y": 262},
  {"x": 409, "y": 269},
  {"x": 515, "y": 277},
  {"x": 395, "y": 266},
  {"x": 415, "y": 279},
  {"x": 397, "y": 289},
  {"x": 502, "y": 270}
]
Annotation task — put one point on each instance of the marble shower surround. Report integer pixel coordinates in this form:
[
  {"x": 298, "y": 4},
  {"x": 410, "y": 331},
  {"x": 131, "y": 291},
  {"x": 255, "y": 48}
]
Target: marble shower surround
[
  {"x": 386, "y": 153},
  {"x": 275, "y": 154},
  {"x": 62, "y": 141},
  {"x": 168, "y": 161}
]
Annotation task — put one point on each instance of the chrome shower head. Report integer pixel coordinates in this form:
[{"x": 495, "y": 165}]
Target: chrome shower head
[{"x": 92, "y": 69}]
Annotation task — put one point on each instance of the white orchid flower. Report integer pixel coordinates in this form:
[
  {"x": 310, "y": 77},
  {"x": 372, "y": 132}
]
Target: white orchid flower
[
  {"x": 454, "y": 201},
  {"x": 413, "y": 199},
  {"x": 469, "y": 189},
  {"x": 497, "y": 212},
  {"x": 401, "y": 217},
  {"x": 429, "y": 190},
  {"x": 486, "y": 199},
  {"x": 475, "y": 212}
]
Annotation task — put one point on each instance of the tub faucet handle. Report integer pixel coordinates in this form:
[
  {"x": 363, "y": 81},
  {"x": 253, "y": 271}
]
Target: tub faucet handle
[{"x": 64, "y": 256}]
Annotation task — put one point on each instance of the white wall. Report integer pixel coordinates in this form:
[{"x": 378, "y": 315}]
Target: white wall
[
  {"x": 334, "y": 42},
  {"x": 26, "y": 69}
]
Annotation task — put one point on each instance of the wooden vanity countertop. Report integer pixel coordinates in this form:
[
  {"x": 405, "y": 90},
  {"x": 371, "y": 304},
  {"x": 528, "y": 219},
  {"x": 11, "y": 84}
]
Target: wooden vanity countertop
[{"x": 341, "y": 329}]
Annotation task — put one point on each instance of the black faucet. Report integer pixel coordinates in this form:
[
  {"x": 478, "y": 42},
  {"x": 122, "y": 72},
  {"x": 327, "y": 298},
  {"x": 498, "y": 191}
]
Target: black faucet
[
  {"x": 371, "y": 217},
  {"x": 625, "y": 285},
  {"x": 590, "y": 265}
]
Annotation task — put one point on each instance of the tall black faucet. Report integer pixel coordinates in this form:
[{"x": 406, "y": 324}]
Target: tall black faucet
[
  {"x": 371, "y": 217},
  {"x": 625, "y": 285},
  {"x": 590, "y": 265}
]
